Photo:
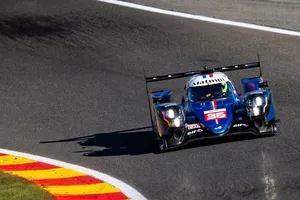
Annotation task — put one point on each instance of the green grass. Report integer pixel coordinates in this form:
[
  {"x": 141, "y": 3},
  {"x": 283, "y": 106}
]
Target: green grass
[{"x": 15, "y": 188}]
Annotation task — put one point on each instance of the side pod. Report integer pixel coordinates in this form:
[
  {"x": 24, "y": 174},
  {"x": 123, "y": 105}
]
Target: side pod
[
  {"x": 251, "y": 84},
  {"x": 162, "y": 96}
]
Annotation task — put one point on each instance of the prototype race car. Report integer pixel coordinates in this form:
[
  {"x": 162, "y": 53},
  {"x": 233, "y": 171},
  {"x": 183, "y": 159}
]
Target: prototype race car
[{"x": 211, "y": 107}]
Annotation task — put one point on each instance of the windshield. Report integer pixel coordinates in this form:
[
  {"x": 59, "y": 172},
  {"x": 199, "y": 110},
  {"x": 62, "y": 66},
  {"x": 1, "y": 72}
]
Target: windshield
[{"x": 209, "y": 92}]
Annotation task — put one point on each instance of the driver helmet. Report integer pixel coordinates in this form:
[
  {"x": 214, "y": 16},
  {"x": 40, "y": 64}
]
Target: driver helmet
[{"x": 224, "y": 87}]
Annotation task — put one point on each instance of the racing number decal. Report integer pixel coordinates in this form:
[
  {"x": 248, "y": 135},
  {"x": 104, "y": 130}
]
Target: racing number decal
[{"x": 215, "y": 114}]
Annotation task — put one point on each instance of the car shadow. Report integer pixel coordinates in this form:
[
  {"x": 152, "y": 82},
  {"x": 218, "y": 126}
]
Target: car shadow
[
  {"x": 222, "y": 140},
  {"x": 136, "y": 141},
  {"x": 126, "y": 142}
]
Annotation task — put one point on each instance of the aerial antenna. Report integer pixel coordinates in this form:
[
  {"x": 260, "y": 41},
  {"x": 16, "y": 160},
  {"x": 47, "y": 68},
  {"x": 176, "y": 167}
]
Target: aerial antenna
[
  {"x": 258, "y": 58},
  {"x": 205, "y": 67}
]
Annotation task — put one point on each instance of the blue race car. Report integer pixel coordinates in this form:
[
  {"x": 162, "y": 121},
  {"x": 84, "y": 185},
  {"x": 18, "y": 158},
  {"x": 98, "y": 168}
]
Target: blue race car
[{"x": 211, "y": 107}]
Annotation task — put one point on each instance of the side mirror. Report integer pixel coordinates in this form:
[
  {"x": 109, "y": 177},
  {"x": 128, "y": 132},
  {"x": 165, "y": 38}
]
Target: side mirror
[{"x": 263, "y": 84}]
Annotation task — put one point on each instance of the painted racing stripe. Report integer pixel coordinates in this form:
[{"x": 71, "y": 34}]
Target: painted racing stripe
[{"x": 214, "y": 104}]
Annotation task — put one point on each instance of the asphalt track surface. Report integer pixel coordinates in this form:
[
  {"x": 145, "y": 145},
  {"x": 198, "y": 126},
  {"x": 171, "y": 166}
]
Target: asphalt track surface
[
  {"x": 274, "y": 13},
  {"x": 72, "y": 88}
]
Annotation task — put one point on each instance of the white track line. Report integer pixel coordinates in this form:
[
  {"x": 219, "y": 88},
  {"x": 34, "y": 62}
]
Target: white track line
[
  {"x": 202, "y": 18},
  {"x": 126, "y": 189}
]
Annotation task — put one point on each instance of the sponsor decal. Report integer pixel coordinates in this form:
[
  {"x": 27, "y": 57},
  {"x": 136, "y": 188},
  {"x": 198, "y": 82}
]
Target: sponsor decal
[
  {"x": 191, "y": 132},
  {"x": 192, "y": 126},
  {"x": 217, "y": 128},
  {"x": 215, "y": 114},
  {"x": 241, "y": 125},
  {"x": 194, "y": 131}
]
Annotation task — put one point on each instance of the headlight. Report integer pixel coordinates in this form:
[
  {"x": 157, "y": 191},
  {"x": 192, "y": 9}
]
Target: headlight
[
  {"x": 173, "y": 115},
  {"x": 258, "y": 101},
  {"x": 255, "y": 111},
  {"x": 256, "y": 104},
  {"x": 177, "y": 122},
  {"x": 170, "y": 113}
]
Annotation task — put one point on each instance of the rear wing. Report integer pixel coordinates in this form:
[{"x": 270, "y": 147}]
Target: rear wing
[{"x": 205, "y": 71}]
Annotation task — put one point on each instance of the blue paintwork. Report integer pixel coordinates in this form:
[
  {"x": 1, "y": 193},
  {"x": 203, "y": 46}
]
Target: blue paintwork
[
  {"x": 271, "y": 114},
  {"x": 163, "y": 96},
  {"x": 251, "y": 84},
  {"x": 235, "y": 108},
  {"x": 215, "y": 126}
]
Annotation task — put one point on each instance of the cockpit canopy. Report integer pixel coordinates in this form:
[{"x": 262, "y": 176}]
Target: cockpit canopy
[{"x": 210, "y": 92}]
